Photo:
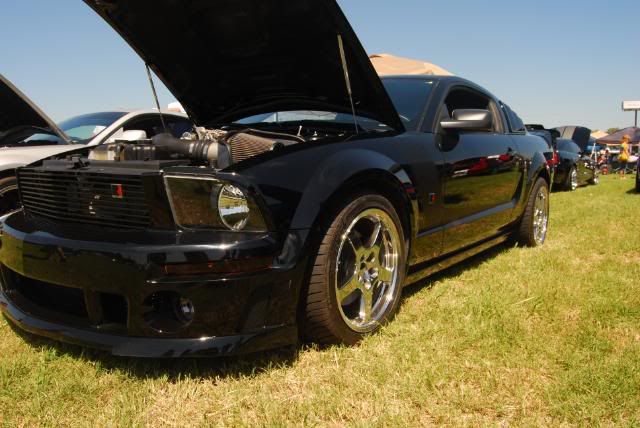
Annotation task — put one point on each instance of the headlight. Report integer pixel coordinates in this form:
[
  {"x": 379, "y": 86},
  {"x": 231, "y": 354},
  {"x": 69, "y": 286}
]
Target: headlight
[
  {"x": 208, "y": 203},
  {"x": 233, "y": 207}
]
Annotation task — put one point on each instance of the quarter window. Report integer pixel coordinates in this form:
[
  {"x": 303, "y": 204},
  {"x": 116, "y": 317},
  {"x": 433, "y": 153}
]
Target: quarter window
[{"x": 515, "y": 123}]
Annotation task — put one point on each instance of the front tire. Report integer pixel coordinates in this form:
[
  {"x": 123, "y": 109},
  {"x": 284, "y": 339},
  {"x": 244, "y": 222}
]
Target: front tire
[
  {"x": 572, "y": 180},
  {"x": 535, "y": 221},
  {"x": 9, "y": 198},
  {"x": 358, "y": 273}
]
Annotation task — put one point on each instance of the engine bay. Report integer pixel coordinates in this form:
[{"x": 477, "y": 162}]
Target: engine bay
[
  {"x": 217, "y": 148},
  {"x": 222, "y": 147}
]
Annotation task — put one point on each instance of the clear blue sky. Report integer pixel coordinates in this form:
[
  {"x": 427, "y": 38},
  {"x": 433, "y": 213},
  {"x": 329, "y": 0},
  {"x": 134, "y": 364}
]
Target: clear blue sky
[{"x": 555, "y": 61}]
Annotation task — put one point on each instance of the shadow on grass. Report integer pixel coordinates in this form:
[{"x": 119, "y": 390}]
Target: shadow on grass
[
  {"x": 237, "y": 367},
  {"x": 171, "y": 370},
  {"x": 456, "y": 269}
]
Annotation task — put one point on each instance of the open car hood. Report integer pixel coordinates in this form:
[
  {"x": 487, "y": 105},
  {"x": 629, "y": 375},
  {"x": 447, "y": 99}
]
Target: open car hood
[
  {"x": 226, "y": 60},
  {"x": 20, "y": 118},
  {"x": 579, "y": 134}
]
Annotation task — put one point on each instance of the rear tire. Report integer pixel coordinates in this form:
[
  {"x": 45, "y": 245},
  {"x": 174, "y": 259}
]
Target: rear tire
[
  {"x": 358, "y": 272},
  {"x": 596, "y": 177},
  {"x": 535, "y": 221},
  {"x": 9, "y": 198}
]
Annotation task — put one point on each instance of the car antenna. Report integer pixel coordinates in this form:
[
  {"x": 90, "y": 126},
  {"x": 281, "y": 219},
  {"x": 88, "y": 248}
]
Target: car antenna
[
  {"x": 347, "y": 80},
  {"x": 155, "y": 97}
]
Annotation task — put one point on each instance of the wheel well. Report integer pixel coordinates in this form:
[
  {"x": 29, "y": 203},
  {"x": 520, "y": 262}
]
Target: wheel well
[
  {"x": 377, "y": 181},
  {"x": 544, "y": 173},
  {"x": 7, "y": 173}
]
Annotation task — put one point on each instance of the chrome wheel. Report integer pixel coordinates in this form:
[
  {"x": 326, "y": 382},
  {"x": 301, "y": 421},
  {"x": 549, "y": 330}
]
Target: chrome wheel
[
  {"x": 596, "y": 177},
  {"x": 367, "y": 270},
  {"x": 574, "y": 179},
  {"x": 541, "y": 216}
]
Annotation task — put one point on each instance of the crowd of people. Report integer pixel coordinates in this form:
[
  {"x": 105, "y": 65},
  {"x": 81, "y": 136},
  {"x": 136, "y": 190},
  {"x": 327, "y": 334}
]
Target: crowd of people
[{"x": 623, "y": 163}]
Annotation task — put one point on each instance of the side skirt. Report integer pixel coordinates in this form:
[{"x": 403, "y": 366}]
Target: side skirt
[{"x": 423, "y": 270}]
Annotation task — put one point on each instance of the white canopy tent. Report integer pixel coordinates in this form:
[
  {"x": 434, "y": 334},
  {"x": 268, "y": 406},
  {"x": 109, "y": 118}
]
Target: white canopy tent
[{"x": 387, "y": 65}]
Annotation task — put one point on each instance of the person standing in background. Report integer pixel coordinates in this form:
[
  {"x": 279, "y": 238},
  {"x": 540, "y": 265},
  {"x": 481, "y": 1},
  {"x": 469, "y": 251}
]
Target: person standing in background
[{"x": 624, "y": 155}]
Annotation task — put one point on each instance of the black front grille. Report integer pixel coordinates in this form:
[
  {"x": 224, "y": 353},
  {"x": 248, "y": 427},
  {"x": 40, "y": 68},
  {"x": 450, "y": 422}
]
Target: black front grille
[{"x": 82, "y": 197}]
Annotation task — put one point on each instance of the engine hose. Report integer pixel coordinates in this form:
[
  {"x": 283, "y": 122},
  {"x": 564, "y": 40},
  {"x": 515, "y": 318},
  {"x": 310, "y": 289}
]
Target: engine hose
[{"x": 195, "y": 150}]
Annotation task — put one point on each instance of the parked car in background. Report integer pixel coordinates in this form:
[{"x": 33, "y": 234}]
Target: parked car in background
[
  {"x": 575, "y": 168},
  {"x": 550, "y": 136},
  {"x": 309, "y": 194},
  {"x": 28, "y": 135}
]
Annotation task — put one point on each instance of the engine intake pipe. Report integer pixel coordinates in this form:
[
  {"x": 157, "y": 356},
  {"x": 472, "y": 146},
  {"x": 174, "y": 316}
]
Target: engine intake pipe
[{"x": 210, "y": 152}]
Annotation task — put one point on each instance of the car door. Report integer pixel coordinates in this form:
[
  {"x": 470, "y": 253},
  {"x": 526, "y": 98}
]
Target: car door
[{"x": 482, "y": 173}]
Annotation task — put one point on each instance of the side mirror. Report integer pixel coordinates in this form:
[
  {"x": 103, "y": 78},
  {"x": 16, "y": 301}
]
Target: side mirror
[
  {"x": 133, "y": 135},
  {"x": 469, "y": 120}
]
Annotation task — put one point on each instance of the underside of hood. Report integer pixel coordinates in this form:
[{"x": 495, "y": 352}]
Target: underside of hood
[
  {"x": 20, "y": 117},
  {"x": 226, "y": 60},
  {"x": 579, "y": 134}
]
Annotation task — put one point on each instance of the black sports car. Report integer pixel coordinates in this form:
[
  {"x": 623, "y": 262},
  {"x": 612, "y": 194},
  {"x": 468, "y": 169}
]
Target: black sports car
[
  {"x": 310, "y": 193},
  {"x": 573, "y": 165},
  {"x": 574, "y": 168}
]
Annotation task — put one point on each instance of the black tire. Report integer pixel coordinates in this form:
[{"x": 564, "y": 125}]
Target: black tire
[
  {"x": 569, "y": 184},
  {"x": 595, "y": 180},
  {"x": 324, "y": 322},
  {"x": 525, "y": 235},
  {"x": 9, "y": 200}
]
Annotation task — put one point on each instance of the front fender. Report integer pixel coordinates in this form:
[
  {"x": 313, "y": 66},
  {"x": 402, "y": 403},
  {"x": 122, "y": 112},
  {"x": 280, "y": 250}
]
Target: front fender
[{"x": 336, "y": 171}]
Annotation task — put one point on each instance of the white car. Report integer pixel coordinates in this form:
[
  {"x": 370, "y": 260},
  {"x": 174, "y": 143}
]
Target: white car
[{"x": 27, "y": 135}]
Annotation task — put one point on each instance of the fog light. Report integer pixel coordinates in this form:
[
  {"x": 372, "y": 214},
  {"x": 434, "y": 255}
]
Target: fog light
[
  {"x": 168, "y": 311},
  {"x": 185, "y": 310}
]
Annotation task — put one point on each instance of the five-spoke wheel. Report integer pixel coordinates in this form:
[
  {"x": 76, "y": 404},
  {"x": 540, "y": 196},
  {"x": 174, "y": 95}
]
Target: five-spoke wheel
[
  {"x": 357, "y": 276},
  {"x": 367, "y": 269}
]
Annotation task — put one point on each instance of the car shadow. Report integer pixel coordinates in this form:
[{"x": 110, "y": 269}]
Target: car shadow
[
  {"x": 456, "y": 270},
  {"x": 222, "y": 367},
  {"x": 170, "y": 369}
]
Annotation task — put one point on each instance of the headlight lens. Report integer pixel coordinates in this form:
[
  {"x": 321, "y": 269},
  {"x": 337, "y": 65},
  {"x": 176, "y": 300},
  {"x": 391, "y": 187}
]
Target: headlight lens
[
  {"x": 208, "y": 203},
  {"x": 233, "y": 207}
]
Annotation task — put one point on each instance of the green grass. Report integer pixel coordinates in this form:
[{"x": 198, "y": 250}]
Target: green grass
[{"x": 531, "y": 337}]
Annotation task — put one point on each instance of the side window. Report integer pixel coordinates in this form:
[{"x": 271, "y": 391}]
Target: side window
[
  {"x": 462, "y": 99},
  {"x": 515, "y": 123}
]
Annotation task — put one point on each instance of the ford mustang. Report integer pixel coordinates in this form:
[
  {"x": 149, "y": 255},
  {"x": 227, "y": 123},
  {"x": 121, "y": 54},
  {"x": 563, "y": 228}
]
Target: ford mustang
[{"x": 309, "y": 193}]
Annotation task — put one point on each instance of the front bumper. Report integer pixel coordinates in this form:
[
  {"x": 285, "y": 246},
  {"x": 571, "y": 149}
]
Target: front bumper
[{"x": 102, "y": 293}]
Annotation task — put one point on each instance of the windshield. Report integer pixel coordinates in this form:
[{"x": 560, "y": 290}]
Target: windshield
[
  {"x": 79, "y": 129},
  {"x": 409, "y": 97}
]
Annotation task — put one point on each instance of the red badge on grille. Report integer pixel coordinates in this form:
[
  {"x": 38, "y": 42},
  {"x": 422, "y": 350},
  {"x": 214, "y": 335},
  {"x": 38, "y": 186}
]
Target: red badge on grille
[{"x": 117, "y": 192}]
